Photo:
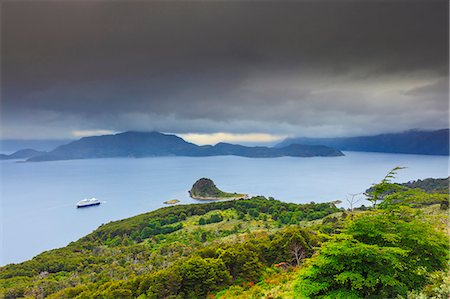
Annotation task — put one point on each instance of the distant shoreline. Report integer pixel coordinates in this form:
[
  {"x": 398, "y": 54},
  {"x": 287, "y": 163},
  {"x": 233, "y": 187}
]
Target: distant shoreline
[
  {"x": 171, "y": 201},
  {"x": 241, "y": 196}
]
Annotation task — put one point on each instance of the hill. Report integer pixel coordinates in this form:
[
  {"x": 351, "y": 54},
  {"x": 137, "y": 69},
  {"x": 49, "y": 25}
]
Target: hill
[
  {"x": 168, "y": 252},
  {"x": 12, "y": 145},
  {"x": 410, "y": 142},
  {"x": 205, "y": 189},
  {"x": 430, "y": 185},
  {"x": 250, "y": 248},
  {"x": 151, "y": 144},
  {"x": 22, "y": 154}
]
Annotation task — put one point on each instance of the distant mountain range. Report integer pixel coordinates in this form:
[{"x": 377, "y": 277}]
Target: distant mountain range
[
  {"x": 12, "y": 145},
  {"x": 409, "y": 142},
  {"x": 22, "y": 154},
  {"x": 150, "y": 144}
]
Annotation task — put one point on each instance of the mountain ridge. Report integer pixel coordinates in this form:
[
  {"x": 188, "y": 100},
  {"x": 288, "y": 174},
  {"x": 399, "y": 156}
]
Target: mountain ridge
[
  {"x": 22, "y": 154},
  {"x": 153, "y": 144},
  {"x": 409, "y": 142}
]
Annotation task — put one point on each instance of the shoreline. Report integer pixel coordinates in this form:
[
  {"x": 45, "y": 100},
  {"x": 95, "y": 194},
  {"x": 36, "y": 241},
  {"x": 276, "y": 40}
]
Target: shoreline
[
  {"x": 172, "y": 201},
  {"x": 243, "y": 196}
]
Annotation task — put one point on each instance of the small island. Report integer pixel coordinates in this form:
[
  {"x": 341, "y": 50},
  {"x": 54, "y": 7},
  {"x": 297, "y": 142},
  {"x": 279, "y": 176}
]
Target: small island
[
  {"x": 171, "y": 202},
  {"x": 205, "y": 189}
]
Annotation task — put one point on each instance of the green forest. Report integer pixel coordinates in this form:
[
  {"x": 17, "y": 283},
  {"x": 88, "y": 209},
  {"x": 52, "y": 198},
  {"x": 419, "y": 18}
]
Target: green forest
[{"x": 257, "y": 248}]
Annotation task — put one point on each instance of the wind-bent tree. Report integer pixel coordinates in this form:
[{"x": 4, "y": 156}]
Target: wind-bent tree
[{"x": 377, "y": 191}]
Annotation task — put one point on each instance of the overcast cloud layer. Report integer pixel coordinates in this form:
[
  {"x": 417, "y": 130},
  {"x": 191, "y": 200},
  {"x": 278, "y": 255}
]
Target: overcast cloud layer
[{"x": 316, "y": 68}]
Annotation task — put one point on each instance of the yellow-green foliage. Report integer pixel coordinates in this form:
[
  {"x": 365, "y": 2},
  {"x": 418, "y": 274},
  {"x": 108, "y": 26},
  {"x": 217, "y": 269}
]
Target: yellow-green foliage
[
  {"x": 383, "y": 253},
  {"x": 399, "y": 248},
  {"x": 276, "y": 283},
  {"x": 120, "y": 258}
]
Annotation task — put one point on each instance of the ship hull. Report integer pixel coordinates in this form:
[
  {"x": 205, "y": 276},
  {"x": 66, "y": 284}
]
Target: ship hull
[{"x": 88, "y": 205}]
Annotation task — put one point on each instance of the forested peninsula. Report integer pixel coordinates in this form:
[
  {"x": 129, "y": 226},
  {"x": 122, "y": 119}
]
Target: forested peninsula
[{"x": 255, "y": 248}]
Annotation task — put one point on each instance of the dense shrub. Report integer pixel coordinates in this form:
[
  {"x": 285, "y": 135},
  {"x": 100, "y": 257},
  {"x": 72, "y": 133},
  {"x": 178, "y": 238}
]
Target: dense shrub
[
  {"x": 381, "y": 254},
  {"x": 214, "y": 218}
]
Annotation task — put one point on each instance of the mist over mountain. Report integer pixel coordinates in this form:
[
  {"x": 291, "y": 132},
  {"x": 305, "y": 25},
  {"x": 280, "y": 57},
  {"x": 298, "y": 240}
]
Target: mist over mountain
[{"x": 409, "y": 142}]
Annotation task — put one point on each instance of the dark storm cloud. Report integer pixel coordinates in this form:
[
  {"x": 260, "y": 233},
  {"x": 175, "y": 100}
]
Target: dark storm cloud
[{"x": 279, "y": 67}]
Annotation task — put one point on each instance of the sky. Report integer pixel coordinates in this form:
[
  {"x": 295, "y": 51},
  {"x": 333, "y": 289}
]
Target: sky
[{"x": 210, "y": 71}]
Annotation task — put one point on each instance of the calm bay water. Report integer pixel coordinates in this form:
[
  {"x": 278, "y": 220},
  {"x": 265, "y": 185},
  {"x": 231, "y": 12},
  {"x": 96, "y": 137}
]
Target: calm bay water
[{"x": 38, "y": 199}]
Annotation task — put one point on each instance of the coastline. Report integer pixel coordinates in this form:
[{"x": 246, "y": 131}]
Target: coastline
[
  {"x": 171, "y": 202},
  {"x": 242, "y": 196}
]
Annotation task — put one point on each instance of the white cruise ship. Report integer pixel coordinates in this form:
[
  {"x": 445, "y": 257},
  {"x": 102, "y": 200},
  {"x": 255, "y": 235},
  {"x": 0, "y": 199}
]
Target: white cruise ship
[{"x": 87, "y": 202}]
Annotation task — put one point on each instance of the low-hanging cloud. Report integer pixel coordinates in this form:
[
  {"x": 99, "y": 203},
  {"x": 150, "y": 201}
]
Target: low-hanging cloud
[{"x": 279, "y": 68}]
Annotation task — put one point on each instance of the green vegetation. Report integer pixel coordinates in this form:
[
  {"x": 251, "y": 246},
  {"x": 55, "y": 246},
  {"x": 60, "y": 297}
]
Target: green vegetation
[
  {"x": 214, "y": 218},
  {"x": 205, "y": 189},
  {"x": 388, "y": 252},
  {"x": 398, "y": 250},
  {"x": 167, "y": 253},
  {"x": 379, "y": 254},
  {"x": 430, "y": 185},
  {"x": 254, "y": 248},
  {"x": 377, "y": 191}
]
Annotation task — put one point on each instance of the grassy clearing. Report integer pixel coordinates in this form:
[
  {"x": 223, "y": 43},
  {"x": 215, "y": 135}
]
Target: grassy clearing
[{"x": 275, "y": 283}]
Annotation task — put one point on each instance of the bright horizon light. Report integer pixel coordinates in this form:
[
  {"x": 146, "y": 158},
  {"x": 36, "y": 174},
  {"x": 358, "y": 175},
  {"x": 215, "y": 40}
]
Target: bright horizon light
[
  {"x": 87, "y": 133},
  {"x": 213, "y": 138}
]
